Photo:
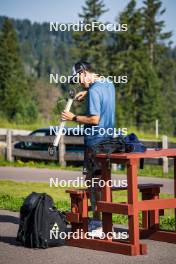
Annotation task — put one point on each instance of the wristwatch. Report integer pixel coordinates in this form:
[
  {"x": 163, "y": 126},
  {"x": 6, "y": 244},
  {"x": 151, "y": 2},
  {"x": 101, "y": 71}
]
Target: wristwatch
[{"x": 75, "y": 118}]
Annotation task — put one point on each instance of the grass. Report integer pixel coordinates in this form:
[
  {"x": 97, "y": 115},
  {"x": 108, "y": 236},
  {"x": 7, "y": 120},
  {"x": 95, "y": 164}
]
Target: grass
[
  {"x": 40, "y": 123},
  {"x": 12, "y": 195},
  {"x": 150, "y": 135},
  {"x": 4, "y": 123},
  {"x": 149, "y": 170},
  {"x": 34, "y": 164}
]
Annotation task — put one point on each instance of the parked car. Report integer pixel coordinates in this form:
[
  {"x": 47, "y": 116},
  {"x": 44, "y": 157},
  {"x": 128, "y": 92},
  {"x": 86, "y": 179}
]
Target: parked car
[{"x": 44, "y": 146}]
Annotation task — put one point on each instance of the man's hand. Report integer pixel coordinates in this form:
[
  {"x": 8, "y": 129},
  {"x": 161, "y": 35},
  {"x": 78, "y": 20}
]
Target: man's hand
[
  {"x": 67, "y": 116},
  {"x": 80, "y": 96}
]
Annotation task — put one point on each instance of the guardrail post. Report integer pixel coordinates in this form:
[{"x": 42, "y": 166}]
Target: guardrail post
[
  {"x": 165, "y": 159},
  {"x": 9, "y": 145},
  {"x": 61, "y": 152}
]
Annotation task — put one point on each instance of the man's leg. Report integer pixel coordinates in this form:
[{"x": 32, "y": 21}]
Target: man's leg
[
  {"x": 96, "y": 196},
  {"x": 92, "y": 170}
]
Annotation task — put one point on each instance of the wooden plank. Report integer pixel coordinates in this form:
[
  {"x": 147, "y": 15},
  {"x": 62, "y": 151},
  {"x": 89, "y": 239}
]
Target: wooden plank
[
  {"x": 33, "y": 154},
  {"x": 147, "y": 205},
  {"x": 147, "y": 154},
  {"x": 105, "y": 245},
  {"x": 34, "y": 139},
  {"x": 76, "y": 191},
  {"x": 172, "y": 144},
  {"x": 132, "y": 193},
  {"x": 75, "y": 140},
  {"x": 117, "y": 208},
  {"x": 159, "y": 235},
  {"x": 73, "y": 217},
  {"x": 2, "y": 137},
  {"x": 149, "y": 186},
  {"x": 74, "y": 156},
  {"x": 158, "y": 161},
  {"x": 151, "y": 143}
]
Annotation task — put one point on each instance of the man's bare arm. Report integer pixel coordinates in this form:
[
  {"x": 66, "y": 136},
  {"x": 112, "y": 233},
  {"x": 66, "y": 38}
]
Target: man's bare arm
[
  {"x": 68, "y": 116},
  {"x": 93, "y": 120}
]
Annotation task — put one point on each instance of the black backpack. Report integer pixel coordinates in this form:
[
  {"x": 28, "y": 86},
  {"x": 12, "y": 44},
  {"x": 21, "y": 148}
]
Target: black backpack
[
  {"x": 40, "y": 222},
  {"x": 120, "y": 144}
]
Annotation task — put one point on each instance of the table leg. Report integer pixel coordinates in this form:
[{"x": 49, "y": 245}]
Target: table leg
[
  {"x": 154, "y": 215},
  {"x": 133, "y": 199}
]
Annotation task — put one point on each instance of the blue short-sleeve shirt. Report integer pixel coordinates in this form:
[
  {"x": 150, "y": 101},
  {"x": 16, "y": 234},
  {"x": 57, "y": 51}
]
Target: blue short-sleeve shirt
[{"x": 100, "y": 102}]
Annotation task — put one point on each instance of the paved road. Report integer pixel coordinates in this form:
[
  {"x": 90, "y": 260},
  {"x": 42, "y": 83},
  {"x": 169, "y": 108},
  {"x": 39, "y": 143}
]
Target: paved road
[
  {"x": 43, "y": 175},
  {"x": 12, "y": 253}
]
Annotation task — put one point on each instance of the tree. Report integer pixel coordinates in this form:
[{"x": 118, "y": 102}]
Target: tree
[
  {"x": 155, "y": 40},
  {"x": 152, "y": 27},
  {"x": 90, "y": 45},
  {"x": 137, "y": 101},
  {"x": 13, "y": 86}
]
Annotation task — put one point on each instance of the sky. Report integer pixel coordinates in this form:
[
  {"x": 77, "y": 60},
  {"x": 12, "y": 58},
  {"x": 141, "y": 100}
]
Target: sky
[{"x": 66, "y": 11}]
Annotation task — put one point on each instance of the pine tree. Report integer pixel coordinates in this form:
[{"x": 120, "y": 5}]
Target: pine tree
[
  {"x": 156, "y": 43},
  {"x": 152, "y": 27},
  {"x": 90, "y": 45},
  {"x": 15, "y": 103},
  {"x": 138, "y": 100},
  {"x": 125, "y": 56}
]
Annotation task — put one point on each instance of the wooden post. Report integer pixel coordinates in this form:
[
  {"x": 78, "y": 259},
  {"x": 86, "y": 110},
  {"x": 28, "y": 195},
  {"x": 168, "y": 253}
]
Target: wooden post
[
  {"x": 156, "y": 128},
  {"x": 165, "y": 159},
  {"x": 9, "y": 145},
  {"x": 114, "y": 166},
  {"x": 61, "y": 152}
]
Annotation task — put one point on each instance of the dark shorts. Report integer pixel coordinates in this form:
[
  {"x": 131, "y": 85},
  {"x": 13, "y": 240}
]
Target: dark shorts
[{"x": 91, "y": 167}]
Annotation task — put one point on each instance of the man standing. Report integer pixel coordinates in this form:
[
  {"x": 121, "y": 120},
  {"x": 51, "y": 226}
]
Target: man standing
[{"x": 100, "y": 95}]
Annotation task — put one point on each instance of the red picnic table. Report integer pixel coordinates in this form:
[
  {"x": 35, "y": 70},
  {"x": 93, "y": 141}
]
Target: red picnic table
[{"x": 150, "y": 205}]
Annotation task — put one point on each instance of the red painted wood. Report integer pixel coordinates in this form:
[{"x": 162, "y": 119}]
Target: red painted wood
[
  {"x": 133, "y": 199},
  {"x": 146, "y": 154},
  {"x": 150, "y": 218},
  {"x": 106, "y": 245},
  {"x": 106, "y": 196},
  {"x": 73, "y": 217},
  {"x": 156, "y": 204},
  {"x": 118, "y": 208},
  {"x": 159, "y": 235}
]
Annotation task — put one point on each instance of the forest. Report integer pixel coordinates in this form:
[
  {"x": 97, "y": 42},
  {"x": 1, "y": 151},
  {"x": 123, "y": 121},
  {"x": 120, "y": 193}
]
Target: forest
[{"x": 30, "y": 52}]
